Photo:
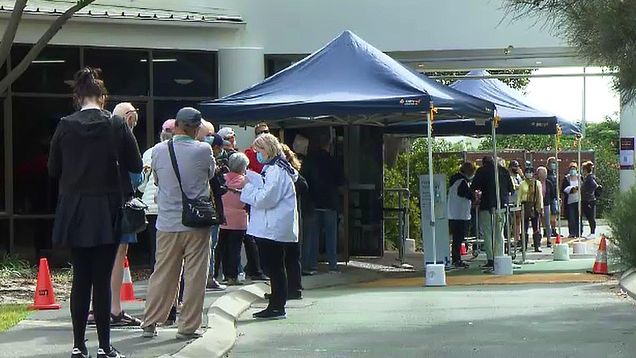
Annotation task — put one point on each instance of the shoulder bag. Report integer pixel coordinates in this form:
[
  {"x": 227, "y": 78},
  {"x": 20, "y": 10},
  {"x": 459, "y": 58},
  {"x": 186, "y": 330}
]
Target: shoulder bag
[{"x": 199, "y": 212}]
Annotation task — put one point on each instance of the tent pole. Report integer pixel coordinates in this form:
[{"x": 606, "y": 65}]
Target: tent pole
[
  {"x": 431, "y": 188},
  {"x": 583, "y": 119},
  {"x": 556, "y": 185},
  {"x": 497, "y": 185},
  {"x": 407, "y": 231}
]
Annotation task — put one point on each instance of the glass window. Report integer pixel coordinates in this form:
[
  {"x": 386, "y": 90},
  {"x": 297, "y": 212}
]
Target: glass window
[
  {"x": 274, "y": 65},
  {"x": 165, "y": 110},
  {"x": 184, "y": 74},
  {"x": 51, "y": 72},
  {"x": 125, "y": 71},
  {"x": 4, "y": 235},
  {"x": 34, "y": 122},
  {"x": 140, "y": 128},
  {"x": 2, "y": 181},
  {"x": 32, "y": 236}
]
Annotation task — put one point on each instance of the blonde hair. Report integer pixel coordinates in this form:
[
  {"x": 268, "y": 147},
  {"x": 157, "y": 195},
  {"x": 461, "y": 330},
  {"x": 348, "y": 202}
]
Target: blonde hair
[
  {"x": 206, "y": 129},
  {"x": 270, "y": 144},
  {"x": 291, "y": 157}
]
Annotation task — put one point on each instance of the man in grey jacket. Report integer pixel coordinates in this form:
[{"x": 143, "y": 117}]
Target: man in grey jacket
[{"x": 178, "y": 244}]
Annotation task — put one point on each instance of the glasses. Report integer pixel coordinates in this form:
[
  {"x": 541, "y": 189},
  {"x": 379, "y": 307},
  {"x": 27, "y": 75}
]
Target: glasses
[{"x": 263, "y": 131}]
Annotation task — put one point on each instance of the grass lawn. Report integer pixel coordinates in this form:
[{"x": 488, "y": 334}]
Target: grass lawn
[{"x": 11, "y": 314}]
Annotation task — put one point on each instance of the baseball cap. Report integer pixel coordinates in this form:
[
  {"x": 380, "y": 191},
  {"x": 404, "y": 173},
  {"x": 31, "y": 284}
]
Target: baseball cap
[
  {"x": 226, "y": 132},
  {"x": 189, "y": 116},
  {"x": 514, "y": 164},
  {"x": 168, "y": 126},
  {"x": 215, "y": 140}
]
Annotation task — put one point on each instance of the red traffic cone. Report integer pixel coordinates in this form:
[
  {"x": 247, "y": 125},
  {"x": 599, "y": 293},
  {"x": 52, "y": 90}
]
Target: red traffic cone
[
  {"x": 127, "y": 292},
  {"x": 44, "y": 294},
  {"x": 462, "y": 249},
  {"x": 600, "y": 264}
]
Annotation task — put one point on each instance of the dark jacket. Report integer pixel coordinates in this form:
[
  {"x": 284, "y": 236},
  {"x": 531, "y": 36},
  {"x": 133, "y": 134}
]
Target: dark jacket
[
  {"x": 323, "y": 176},
  {"x": 485, "y": 182},
  {"x": 550, "y": 192},
  {"x": 589, "y": 188},
  {"x": 83, "y": 157},
  {"x": 463, "y": 190}
]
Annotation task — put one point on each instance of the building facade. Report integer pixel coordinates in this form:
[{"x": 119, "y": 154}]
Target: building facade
[{"x": 162, "y": 55}]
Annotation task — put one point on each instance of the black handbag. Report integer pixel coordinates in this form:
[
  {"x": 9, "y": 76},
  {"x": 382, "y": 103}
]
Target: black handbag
[
  {"x": 131, "y": 215},
  {"x": 199, "y": 212}
]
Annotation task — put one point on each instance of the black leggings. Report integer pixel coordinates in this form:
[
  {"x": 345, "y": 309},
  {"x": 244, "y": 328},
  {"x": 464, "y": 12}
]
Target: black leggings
[
  {"x": 458, "y": 232},
  {"x": 292, "y": 267},
  {"x": 589, "y": 210},
  {"x": 273, "y": 256},
  {"x": 92, "y": 268},
  {"x": 230, "y": 253}
]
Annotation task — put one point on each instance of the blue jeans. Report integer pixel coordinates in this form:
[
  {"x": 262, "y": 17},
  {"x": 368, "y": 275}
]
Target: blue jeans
[
  {"x": 214, "y": 234},
  {"x": 316, "y": 222}
]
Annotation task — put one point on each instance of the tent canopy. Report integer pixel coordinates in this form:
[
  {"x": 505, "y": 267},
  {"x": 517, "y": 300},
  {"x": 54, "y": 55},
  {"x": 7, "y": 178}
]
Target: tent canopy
[
  {"x": 346, "y": 78},
  {"x": 518, "y": 115}
]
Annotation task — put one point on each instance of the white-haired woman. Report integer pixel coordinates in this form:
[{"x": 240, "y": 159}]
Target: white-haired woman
[
  {"x": 228, "y": 250},
  {"x": 273, "y": 216}
]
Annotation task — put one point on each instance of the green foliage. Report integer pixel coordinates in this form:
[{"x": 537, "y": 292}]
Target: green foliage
[
  {"x": 602, "y": 31},
  {"x": 519, "y": 83},
  {"x": 623, "y": 226},
  {"x": 396, "y": 178},
  {"x": 601, "y": 137}
]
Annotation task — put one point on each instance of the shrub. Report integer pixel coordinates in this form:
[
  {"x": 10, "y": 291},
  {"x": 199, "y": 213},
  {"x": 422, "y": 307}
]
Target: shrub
[{"x": 623, "y": 226}]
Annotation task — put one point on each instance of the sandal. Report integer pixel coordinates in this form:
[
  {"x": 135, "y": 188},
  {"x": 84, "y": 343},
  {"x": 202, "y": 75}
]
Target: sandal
[{"x": 124, "y": 319}]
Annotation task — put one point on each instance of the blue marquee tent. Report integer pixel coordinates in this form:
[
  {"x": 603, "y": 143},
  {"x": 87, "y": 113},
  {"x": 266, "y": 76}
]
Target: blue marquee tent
[
  {"x": 347, "y": 78},
  {"x": 518, "y": 116}
]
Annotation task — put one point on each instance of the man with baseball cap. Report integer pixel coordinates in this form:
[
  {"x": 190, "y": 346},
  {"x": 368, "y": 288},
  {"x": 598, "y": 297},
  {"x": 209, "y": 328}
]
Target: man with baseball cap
[
  {"x": 228, "y": 135},
  {"x": 178, "y": 244}
]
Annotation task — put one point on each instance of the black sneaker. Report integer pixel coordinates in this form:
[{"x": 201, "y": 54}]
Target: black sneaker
[
  {"x": 112, "y": 354},
  {"x": 489, "y": 264},
  {"x": 78, "y": 353},
  {"x": 295, "y": 295},
  {"x": 270, "y": 314},
  {"x": 124, "y": 319},
  {"x": 260, "y": 277}
]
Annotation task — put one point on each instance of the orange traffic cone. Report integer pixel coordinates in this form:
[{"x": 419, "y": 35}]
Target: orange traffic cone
[
  {"x": 127, "y": 292},
  {"x": 44, "y": 294},
  {"x": 462, "y": 249},
  {"x": 600, "y": 264},
  {"x": 558, "y": 239}
]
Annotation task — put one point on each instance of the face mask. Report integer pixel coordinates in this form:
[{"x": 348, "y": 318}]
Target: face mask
[
  {"x": 260, "y": 158},
  {"x": 529, "y": 175},
  {"x": 573, "y": 172},
  {"x": 553, "y": 166}
]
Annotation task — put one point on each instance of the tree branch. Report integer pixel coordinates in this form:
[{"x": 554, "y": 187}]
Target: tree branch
[
  {"x": 55, "y": 27},
  {"x": 11, "y": 30}
]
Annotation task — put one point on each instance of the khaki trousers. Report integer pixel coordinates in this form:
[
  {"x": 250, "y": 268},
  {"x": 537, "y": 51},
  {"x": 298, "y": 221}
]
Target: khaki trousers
[
  {"x": 174, "y": 249},
  {"x": 486, "y": 231}
]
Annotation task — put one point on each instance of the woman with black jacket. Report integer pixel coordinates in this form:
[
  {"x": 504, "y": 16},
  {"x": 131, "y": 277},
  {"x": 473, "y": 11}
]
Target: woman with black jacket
[
  {"x": 84, "y": 153},
  {"x": 589, "y": 190}
]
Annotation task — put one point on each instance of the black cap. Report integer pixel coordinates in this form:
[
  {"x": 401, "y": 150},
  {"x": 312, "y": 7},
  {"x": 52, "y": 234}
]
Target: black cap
[
  {"x": 189, "y": 116},
  {"x": 514, "y": 164}
]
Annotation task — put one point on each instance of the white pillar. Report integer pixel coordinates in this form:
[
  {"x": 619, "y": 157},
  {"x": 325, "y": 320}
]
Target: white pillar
[
  {"x": 628, "y": 129},
  {"x": 240, "y": 68}
]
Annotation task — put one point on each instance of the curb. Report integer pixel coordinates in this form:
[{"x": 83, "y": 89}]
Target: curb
[
  {"x": 628, "y": 282},
  {"x": 222, "y": 315}
]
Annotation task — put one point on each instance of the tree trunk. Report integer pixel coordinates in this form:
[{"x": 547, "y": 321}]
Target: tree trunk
[
  {"x": 10, "y": 31},
  {"x": 55, "y": 27}
]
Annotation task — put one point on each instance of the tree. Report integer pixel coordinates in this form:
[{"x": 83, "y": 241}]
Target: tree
[
  {"x": 518, "y": 83},
  {"x": 9, "y": 36},
  {"x": 602, "y": 31}
]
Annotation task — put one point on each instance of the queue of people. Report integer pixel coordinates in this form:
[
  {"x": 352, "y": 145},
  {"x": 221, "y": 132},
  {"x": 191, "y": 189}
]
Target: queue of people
[
  {"x": 204, "y": 200},
  {"x": 533, "y": 200}
]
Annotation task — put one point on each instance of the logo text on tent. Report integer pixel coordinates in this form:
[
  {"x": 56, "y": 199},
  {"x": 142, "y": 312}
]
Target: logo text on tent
[{"x": 410, "y": 102}]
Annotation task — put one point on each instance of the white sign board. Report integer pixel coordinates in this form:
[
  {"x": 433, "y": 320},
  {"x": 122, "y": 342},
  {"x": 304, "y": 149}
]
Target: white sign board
[{"x": 442, "y": 245}]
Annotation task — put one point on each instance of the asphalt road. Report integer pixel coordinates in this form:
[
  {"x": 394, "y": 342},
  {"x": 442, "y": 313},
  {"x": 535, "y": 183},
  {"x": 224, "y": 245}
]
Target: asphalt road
[{"x": 585, "y": 320}]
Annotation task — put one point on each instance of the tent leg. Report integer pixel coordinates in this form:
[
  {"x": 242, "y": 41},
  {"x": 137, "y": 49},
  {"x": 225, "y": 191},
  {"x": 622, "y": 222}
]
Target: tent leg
[{"x": 435, "y": 273}]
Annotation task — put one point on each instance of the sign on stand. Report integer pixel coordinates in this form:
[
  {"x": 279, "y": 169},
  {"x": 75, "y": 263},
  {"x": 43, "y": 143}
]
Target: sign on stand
[
  {"x": 627, "y": 153},
  {"x": 441, "y": 219}
]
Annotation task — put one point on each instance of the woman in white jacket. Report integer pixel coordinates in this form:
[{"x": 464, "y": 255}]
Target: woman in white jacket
[{"x": 273, "y": 217}]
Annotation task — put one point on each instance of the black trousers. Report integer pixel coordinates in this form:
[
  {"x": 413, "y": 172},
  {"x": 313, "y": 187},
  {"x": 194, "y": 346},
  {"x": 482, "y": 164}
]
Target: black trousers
[
  {"x": 273, "y": 256},
  {"x": 573, "y": 219},
  {"x": 92, "y": 268},
  {"x": 458, "y": 233},
  {"x": 151, "y": 235},
  {"x": 292, "y": 267},
  {"x": 253, "y": 265},
  {"x": 535, "y": 235},
  {"x": 589, "y": 210},
  {"x": 230, "y": 242}
]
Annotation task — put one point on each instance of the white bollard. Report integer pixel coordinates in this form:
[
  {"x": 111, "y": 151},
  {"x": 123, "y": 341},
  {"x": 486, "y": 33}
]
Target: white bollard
[
  {"x": 503, "y": 265},
  {"x": 580, "y": 248},
  {"x": 409, "y": 246},
  {"x": 561, "y": 252},
  {"x": 435, "y": 275}
]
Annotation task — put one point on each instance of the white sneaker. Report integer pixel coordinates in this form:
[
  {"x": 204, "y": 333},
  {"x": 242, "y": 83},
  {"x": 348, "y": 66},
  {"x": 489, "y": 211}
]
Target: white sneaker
[{"x": 590, "y": 237}]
